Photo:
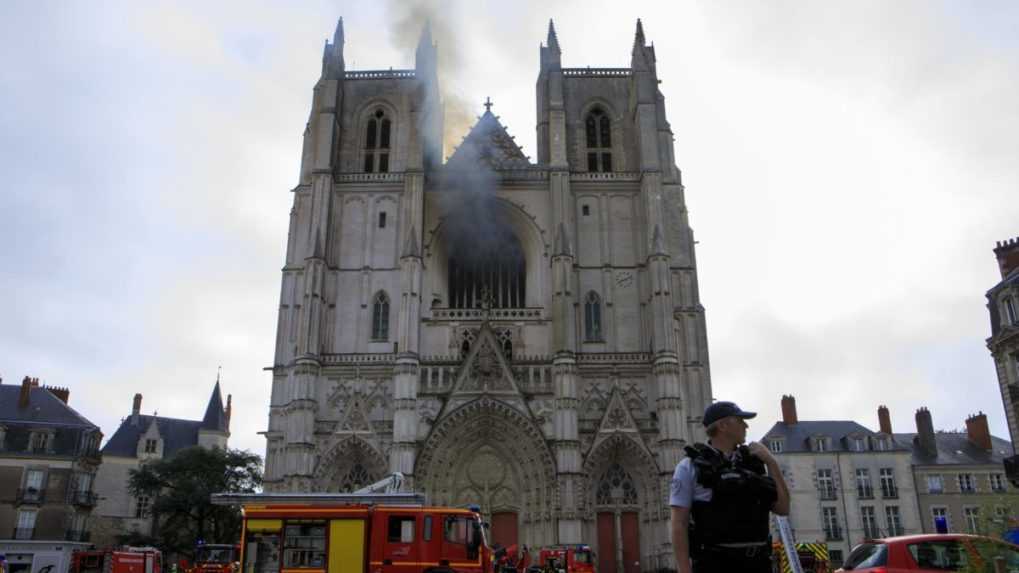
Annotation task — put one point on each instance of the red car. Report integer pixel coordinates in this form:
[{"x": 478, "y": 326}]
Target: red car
[{"x": 949, "y": 552}]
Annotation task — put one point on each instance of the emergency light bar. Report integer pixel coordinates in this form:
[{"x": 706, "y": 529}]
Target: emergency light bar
[{"x": 319, "y": 498}]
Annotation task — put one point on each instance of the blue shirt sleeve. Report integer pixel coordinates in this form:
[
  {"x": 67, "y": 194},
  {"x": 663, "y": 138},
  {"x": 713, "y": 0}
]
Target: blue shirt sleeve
[{"x": 681, "y": 490}]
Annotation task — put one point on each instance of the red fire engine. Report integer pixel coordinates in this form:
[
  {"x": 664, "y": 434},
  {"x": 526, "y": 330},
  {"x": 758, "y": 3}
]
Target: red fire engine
[
  {"x": 566, "y": 559},
  {"x": 117, "y": 560},
  {"x": 357, "y": 533},
  {"x": 215, "y": 558}
]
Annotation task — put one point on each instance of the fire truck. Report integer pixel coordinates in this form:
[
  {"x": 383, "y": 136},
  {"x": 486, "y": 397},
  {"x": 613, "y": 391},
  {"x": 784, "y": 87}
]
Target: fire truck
[
  {"x": 566, "y": 559},
  {"x": 215, "y": 558},
  {"x": 357, "y": 533},
  {"x": 117, "y": 560}
]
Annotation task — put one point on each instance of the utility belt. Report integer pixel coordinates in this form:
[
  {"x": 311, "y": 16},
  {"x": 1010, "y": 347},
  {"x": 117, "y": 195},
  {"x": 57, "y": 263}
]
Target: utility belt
[{"x": 749, "y": 549}]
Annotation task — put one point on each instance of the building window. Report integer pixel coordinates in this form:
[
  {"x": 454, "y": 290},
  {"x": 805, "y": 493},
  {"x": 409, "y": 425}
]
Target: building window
[
  {"x": 888, "y": 488},
  {"x": 775, "y": 446},
  {"x": 150, "y": 446},
  {"x": 859, "y": 445},
  {"x": 821, "y": 444},
  {"x": 835, "y": 556},
  {"x": 376, "y": 143},
  {"x": 1000, "y": 513},
  {"x": 38, "y": 442},
  {"x": 869, "y": 518},
  {"x": 141, "y": 507},
  {"x": 3, "y": 437},
  {"x": 616, "y": 487},
  {"x": 33, "y": 490},
  {"x": 826, "y": 484},
  {"x": 881, "y": 444},
  {"x": 997, "y": 483},
  {"x": 967, "y": 484},
  {"x": 598, "y": 129},
  {"x": 592, "y": 318},
  {"x": 26, "y": 524},
  {"x": 972, "y": 517},
  {"x": 939, "y": 513},
  {"x": 830, "y": 521},
  {"x": 380, "y": 317},
  {"x": 382, "y": 220},
  {"x": 1010, "y": 311},
  {"x": 496, "y": 277},
  {"x": 585, "y": 210},
  {"x": 893, "y": 519},
  {"x": 935, "y": 484},
  {"x": 864, "y": 487}
]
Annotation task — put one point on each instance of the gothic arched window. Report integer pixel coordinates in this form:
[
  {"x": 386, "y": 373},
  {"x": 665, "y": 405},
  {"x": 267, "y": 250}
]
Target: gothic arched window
[
  {"x": 598, "y": 129},
  {"x": 380, "y": 317},
  {"x": 592, "y": 318},
  {"x": 355, "y": 478},
  {"x": 616, "y": 487},
  {"x": 489, "y": 272},
  {"x": 376, "y": 143}
]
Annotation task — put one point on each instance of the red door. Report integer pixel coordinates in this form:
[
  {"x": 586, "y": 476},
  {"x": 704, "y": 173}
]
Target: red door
[
  {"x": 630, "y": 525},
  {"x": 606, "y": 542},
  {"x": 504, "y": 528}
]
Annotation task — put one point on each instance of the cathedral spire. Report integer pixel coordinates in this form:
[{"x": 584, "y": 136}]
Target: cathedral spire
[
  {"x": 338, "y": 34},
  {"x": 553, "y": 40},
  {"x": 638, "y": 39}
]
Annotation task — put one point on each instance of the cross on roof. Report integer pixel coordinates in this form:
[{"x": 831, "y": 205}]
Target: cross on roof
[{"x": 488, "y": 104}]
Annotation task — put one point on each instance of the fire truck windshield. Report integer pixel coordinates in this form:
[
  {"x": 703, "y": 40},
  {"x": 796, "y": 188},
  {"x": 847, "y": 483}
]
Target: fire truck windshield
[
  {"x": 212, "y": 554},
  {"x": 582, "y": 556}
]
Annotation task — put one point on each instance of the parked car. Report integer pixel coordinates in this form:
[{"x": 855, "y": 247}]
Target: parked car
[{"x": 947, "y": 552}]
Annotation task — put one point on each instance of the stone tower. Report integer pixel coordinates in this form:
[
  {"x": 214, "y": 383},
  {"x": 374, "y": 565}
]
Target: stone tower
[
  {"x": 1003, "y": 306},
  {"x": 523, "y": 335}
]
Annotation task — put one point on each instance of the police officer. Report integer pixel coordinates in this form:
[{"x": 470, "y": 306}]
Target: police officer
[{"x": 721, "y": 498}]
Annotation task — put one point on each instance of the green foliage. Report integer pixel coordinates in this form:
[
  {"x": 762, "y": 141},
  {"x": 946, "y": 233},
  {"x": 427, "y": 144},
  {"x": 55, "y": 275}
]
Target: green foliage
[
  {"x": 996, "y": 516},
  {"x": 180, "y": 487}
]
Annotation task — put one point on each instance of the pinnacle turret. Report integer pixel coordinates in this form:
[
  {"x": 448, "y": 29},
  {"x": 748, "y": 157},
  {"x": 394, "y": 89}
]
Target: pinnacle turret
[
  {"x": 638, "y": 39},
  {"x": 553, "y": 40}
]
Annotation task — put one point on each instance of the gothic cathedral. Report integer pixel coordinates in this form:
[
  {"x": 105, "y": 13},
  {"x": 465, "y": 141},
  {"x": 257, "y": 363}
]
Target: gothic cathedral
[{"x": 526, "y": 336}]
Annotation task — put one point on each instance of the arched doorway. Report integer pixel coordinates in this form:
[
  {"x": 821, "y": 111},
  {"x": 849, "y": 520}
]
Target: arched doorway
[
  {"x": 623, "y": 494},
  {"x": 488, "y": 453},
  {"x": 350, "y": 465}
]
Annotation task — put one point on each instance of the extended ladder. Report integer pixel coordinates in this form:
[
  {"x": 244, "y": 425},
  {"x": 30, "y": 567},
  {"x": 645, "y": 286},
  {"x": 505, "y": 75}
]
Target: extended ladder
[{"x": 788, "y": 543}]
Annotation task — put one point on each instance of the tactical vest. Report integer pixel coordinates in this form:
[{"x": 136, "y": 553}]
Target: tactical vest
[{"x": 741, "y": 498}]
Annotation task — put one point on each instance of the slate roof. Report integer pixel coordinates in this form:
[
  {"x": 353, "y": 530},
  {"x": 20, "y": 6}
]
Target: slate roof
[
  {"x": 43, "y": 409},
  {"x": 488, "y": 142},
  {"x": 176, "y": 433},
  {"x": 797, "y": 436},
  {"x": 954, "y": 448}
]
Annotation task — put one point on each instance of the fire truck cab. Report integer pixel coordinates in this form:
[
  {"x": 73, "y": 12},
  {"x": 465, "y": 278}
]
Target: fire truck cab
[
  {"x": 352, "y": 533},
  {"x": 215, "y": 558},
  {"x": 566, "y": 559}
]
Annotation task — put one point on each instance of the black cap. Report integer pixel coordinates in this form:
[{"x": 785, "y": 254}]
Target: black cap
[{"x": 719, "y": 410}]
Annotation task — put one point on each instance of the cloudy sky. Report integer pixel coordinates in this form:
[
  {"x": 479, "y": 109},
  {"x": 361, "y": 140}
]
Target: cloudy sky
[{"x": 849, "y": 166}]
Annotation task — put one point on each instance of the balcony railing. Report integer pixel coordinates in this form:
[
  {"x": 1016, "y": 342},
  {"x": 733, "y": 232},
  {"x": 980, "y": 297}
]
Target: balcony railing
[
  {"x": 23, "y": 532},
  {"x": 77, "y": 535},
  {"x": 30, "y": 495},
  {"x": 833, "y": 533},
  {"x": 82, "y": 498},
  {"x": 828, "y": 493}
]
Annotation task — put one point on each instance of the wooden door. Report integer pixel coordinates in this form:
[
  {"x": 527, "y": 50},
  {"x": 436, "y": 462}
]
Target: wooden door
[
  {"x": 606, "y": 542},
  {"x": 504, "y": 528},
  {"x": 630, "y": 524}
]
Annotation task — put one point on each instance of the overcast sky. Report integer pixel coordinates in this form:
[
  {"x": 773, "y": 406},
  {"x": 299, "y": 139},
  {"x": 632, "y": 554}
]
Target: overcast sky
[{"x": 848, "y": 169}]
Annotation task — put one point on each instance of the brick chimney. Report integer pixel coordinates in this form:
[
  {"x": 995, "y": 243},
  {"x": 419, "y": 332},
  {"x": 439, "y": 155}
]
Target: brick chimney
[
  {"x": 978, "y": 432},
  {"x": 789, "y": 410},
  {"x": 62, "y": 394},
  {"x": 925, "y": 433},
  {"x": 1008, "y": 255},
  {"x": 26, "y": 392},
  {"x": 884, "y": 420},
  {"x": 136, "y": 409}
]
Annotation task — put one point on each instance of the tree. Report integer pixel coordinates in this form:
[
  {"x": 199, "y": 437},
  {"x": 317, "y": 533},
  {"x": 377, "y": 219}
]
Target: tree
[{"x": 181, "y": 487}]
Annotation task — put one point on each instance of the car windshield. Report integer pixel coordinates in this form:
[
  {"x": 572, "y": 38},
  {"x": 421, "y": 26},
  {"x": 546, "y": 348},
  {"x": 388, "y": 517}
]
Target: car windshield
[
  {"x": 940, "y": 555},
  {"x": 867, "y": 555}
]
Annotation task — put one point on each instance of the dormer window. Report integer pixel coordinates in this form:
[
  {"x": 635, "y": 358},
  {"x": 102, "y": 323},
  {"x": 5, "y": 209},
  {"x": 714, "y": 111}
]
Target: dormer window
[
  {"x": 776, "y": 446},
  {"x": 859, "y": 444},
  {"x": 821, "y": 444},
  {"x": 881, "y": 444},
  {"x": 598, "y": 129},
  {"x": 1010, "y": 311},
  {"x": 150, "y": 446},
  {"x": 376, "y": 143}
]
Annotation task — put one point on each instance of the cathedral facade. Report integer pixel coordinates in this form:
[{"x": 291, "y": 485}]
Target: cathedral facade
[{"x": 523, "y": 335}]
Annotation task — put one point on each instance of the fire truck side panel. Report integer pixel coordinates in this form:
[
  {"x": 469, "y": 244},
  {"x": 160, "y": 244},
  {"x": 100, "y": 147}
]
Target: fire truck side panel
[
  {"x": 396, "y": 535},
  {"x": 347, "y": 542}
]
